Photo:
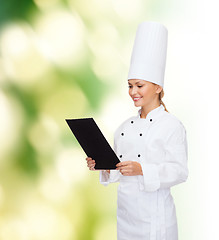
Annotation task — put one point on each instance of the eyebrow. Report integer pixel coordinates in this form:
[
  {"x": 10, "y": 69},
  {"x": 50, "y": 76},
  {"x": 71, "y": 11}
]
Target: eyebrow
[{"x": 135, "y": 83}]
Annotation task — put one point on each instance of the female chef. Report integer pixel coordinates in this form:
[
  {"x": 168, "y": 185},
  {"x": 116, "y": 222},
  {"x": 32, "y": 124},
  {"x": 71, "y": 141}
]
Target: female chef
[{"x": 152, "y": 147}]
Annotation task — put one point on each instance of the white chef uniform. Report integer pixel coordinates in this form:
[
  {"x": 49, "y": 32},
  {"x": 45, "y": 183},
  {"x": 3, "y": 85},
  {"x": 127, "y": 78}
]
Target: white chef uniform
[{"x": 145, "y": 209}]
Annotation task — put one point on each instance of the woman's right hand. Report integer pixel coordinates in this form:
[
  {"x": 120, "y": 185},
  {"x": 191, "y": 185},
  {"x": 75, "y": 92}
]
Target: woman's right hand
[{"x": 90, "y": 163}]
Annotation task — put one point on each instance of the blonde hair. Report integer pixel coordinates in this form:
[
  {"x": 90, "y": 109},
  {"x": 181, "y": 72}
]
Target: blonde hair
[{"x": 161, "y": 94}]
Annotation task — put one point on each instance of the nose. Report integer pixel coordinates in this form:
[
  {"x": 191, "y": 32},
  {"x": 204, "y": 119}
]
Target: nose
[{"x": 133, "y": 91}]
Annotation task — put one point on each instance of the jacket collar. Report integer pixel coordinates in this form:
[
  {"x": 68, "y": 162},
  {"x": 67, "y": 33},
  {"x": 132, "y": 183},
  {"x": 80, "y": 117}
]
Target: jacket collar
[{"x": 153, "y": 114}]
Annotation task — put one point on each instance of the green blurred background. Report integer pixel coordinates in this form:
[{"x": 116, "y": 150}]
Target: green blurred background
[{"x": 67, "y": 59}]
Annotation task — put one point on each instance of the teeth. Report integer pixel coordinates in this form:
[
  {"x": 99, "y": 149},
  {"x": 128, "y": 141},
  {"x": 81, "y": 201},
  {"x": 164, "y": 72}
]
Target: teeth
[{"x": 136, "y": 98}]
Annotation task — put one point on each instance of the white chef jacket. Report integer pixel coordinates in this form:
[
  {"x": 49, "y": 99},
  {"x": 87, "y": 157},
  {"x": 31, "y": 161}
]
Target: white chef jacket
[{"x": 145, "y": 208}]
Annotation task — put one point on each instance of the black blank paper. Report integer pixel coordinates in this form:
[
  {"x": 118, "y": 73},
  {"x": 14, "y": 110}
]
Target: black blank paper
[{"x": 93, "y": 142}]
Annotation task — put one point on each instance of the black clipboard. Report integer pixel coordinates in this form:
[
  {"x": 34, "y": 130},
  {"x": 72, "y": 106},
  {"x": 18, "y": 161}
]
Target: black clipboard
[{"x": 93, "y": 142}]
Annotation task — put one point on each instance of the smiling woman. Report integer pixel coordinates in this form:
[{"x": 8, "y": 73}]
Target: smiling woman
[{"x": 151, "y": 146}]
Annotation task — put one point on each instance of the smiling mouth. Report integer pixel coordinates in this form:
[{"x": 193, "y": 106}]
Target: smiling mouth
[{"x": 136, "y": 98}]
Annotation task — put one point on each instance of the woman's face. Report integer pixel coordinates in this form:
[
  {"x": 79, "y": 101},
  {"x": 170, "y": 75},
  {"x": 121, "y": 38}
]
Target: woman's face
[{"x": 143, "y": 93}]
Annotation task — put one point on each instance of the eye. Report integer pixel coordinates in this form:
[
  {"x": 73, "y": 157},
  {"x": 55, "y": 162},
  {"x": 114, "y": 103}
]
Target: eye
[
  {"x": 140, "y": 86},
  {"x": 129, "y": 86}
]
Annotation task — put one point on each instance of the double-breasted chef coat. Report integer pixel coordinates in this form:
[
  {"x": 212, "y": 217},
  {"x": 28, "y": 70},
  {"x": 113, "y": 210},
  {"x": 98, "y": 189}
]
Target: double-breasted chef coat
[{"x": 145, "y": 208}]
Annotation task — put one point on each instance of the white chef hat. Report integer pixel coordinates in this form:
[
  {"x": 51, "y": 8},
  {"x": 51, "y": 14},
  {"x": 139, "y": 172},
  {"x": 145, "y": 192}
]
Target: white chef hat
[{"x": 149, "y": 53}]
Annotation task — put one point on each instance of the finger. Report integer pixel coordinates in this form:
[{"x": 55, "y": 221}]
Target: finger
[
  {"x": 125, "y": 167},
  {"x": 118, "y": 165},
  {"x": 124, "y": 171},
  {"x": 91, "y": 166},
  {"x": 126, "y": 174},
  {"x": 91, "y": 162},
  {"x": 125, "y": 163},
  {"x": 120, "y": 168}
]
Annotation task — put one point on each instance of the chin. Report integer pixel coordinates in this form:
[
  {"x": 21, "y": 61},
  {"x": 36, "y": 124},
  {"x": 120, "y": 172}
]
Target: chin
[{"x": 137, "y": 105}]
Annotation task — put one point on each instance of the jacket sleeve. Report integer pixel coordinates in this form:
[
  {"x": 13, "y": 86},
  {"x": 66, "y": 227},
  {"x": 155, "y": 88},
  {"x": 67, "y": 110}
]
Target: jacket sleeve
[
  {"x": 113, "y": 176},
  {"x": 173, "y": 169}
]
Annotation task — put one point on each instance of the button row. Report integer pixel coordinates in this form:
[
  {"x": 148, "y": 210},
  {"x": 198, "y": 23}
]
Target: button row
[
  {"x": 138, "y": 156},
  {"x": 150, "y": 120},
  {"x": 123, "y": 134}
]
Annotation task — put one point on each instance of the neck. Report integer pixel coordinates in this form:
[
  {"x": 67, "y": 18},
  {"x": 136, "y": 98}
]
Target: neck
[{"x": 146, "y": 109}]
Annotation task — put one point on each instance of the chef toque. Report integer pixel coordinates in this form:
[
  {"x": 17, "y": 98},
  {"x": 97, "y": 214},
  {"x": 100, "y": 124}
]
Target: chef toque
[{"x": 148, "y": 58}]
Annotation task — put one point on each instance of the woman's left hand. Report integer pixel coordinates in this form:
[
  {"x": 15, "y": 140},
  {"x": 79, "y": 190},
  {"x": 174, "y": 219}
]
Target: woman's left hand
[{"x": 129, "y": 168}]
